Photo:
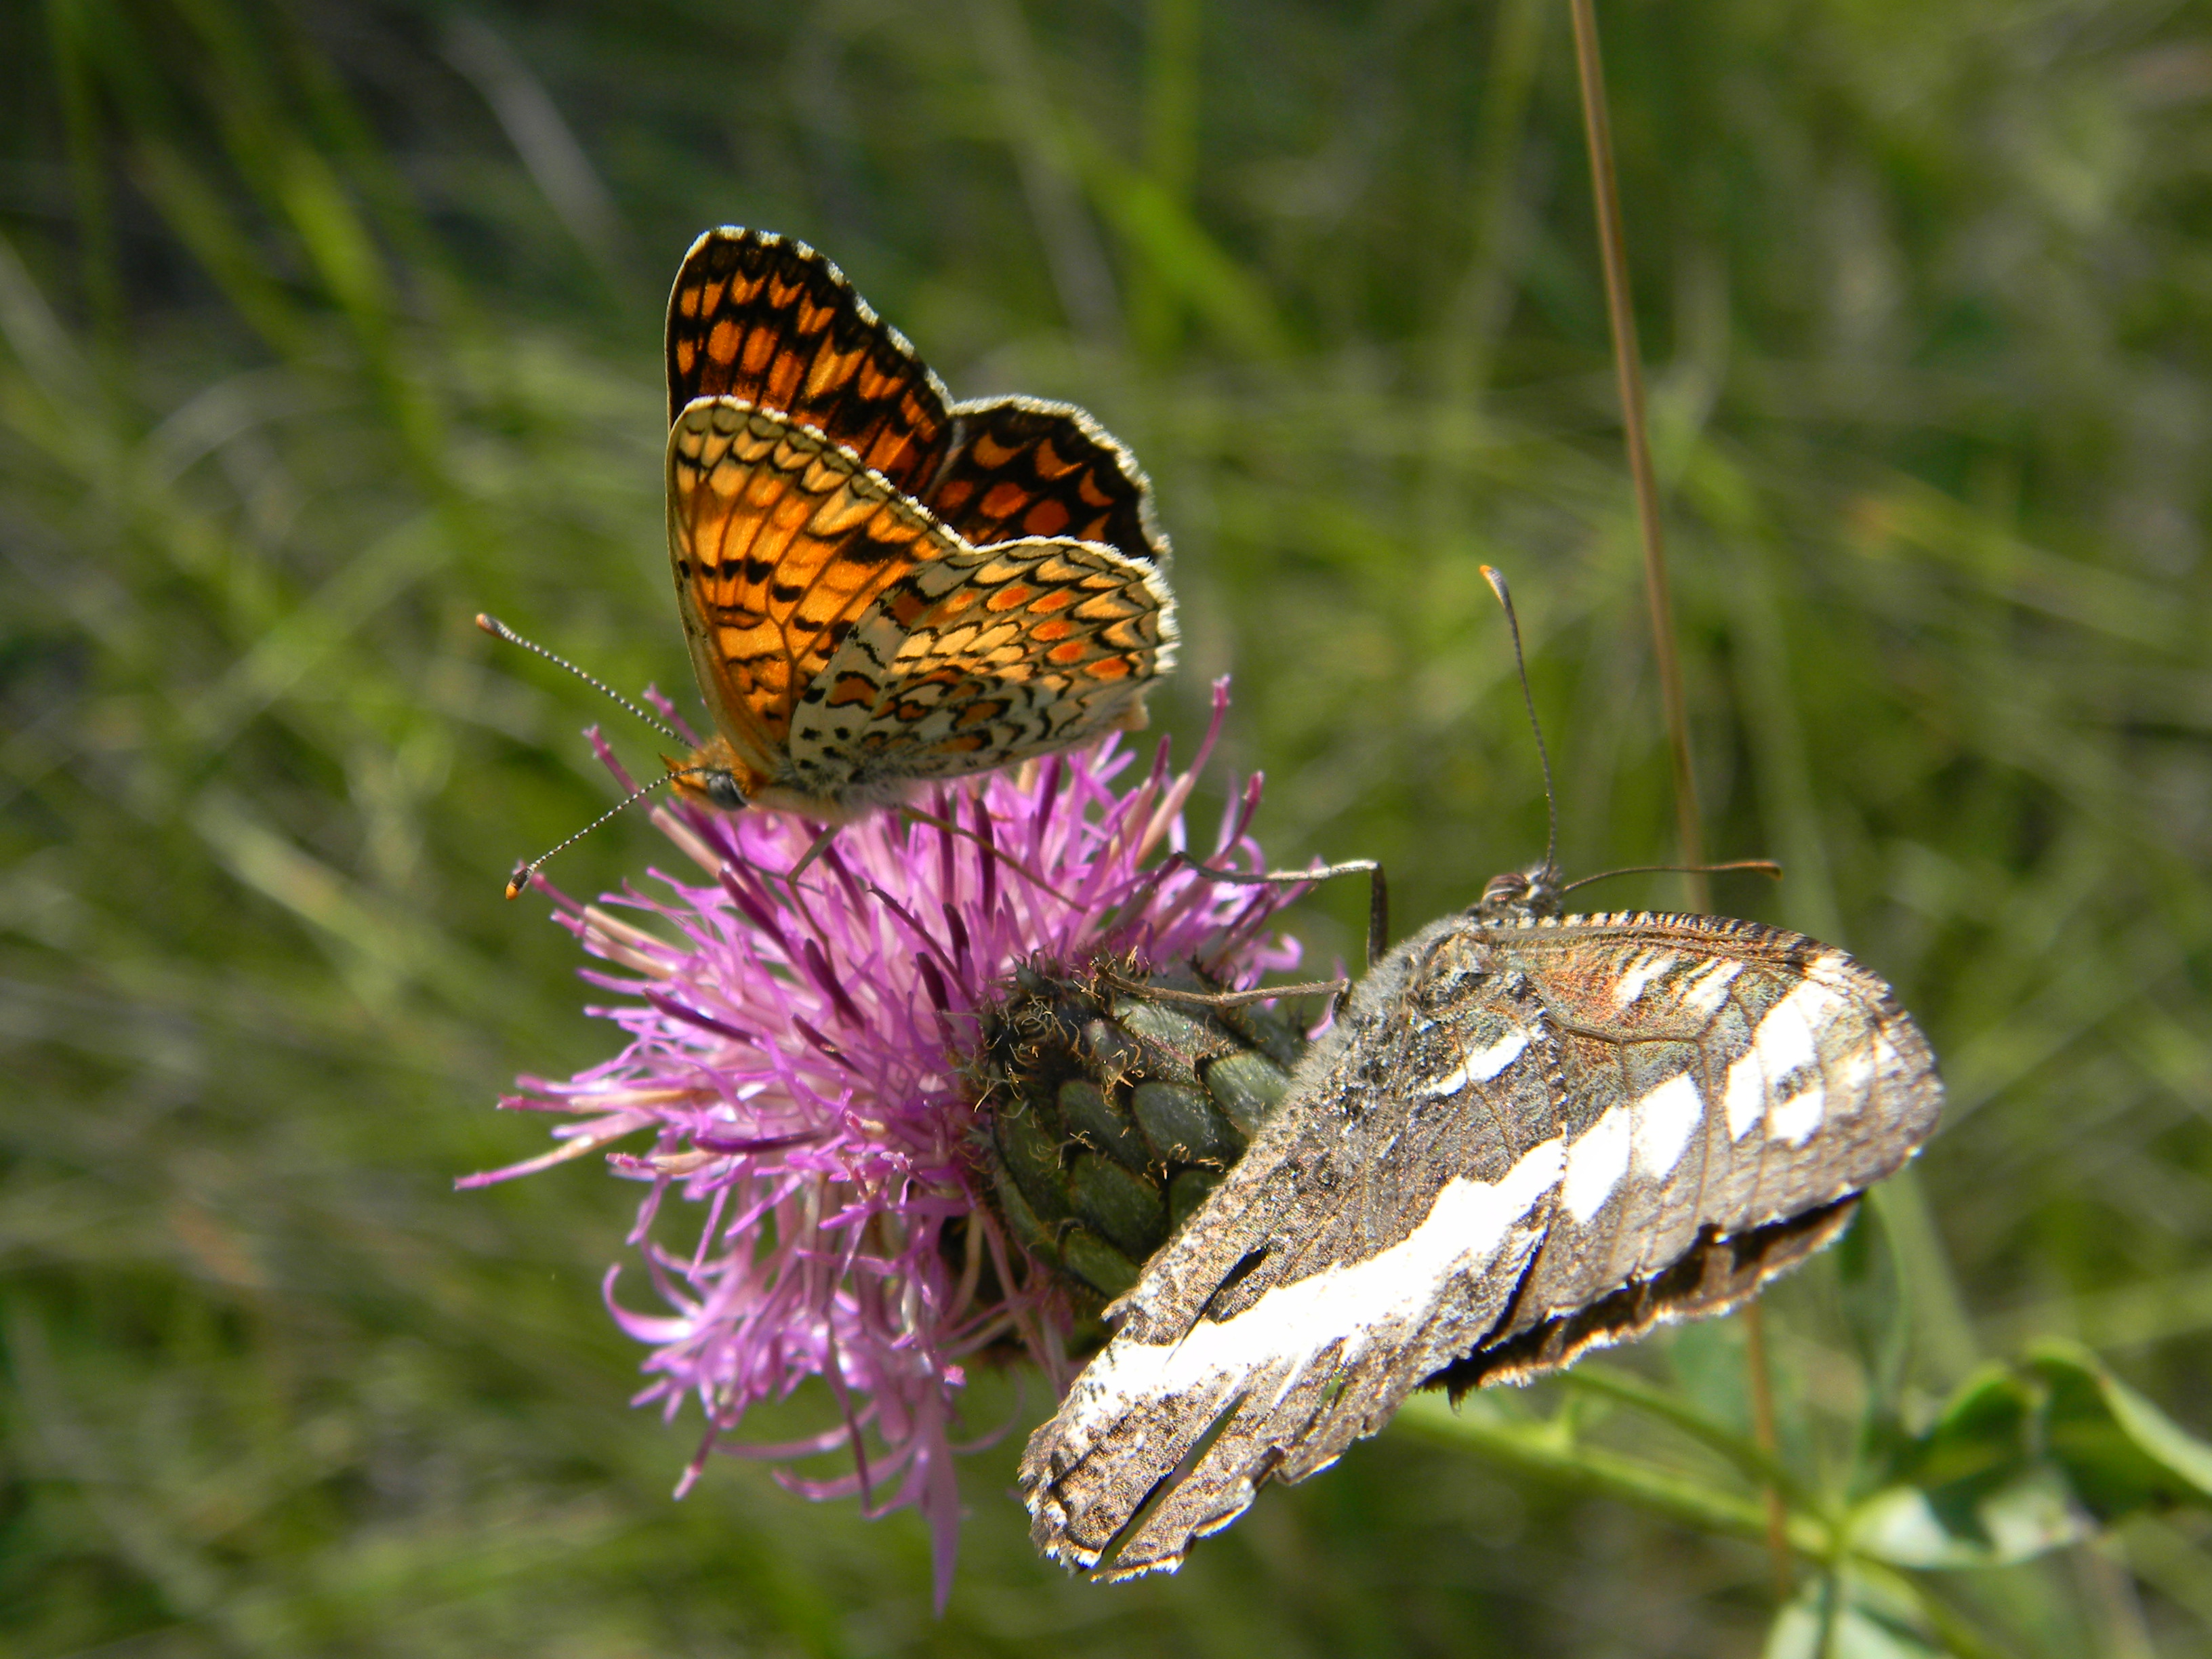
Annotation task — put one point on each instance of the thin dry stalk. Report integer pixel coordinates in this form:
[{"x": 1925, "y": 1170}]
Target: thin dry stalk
[{"x": 1628, "y": 362}]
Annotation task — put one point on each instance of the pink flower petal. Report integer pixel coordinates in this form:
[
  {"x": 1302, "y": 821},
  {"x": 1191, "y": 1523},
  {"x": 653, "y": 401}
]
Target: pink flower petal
[{"x": 800, "y": 1053}]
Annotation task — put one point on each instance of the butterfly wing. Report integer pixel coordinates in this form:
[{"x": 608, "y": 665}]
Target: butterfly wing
[
  {"x": 1742, "y": 1086},
  {"x": 1019, "y": 467},
  {"x": 779, "y": 542},
  {"x": 1507, "y": 1128},
  {"x": 845, "y": 642},
  {"x": 981, "y": 658},
  {"x": 769, "y": 322}
]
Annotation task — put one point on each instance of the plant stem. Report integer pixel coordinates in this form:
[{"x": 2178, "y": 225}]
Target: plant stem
[
  {"x": 1540, "y": 1448},
  {"x": 1625, "y": 1388},
  {"x": 1763, "y": 1433},
  {"x": 1628, "y": 362}
]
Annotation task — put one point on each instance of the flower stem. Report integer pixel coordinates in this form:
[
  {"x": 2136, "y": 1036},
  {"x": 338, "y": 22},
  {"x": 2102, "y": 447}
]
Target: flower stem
[
  {"x": 1762, "y": 1432},
  {"x": 1542, "y": 1448},
  {"x": 1752, "y": 1461}
]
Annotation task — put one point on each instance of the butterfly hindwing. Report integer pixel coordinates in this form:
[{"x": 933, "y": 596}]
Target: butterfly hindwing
[
  {"x": 1762, "y": 1079},
  {"x": 1013, "y": 650},
  {"x": 768, "y": 321},
  {"x": 1518, "y": 1140}
]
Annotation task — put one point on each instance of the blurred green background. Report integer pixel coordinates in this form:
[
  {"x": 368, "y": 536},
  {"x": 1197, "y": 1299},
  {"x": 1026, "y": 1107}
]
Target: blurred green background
[{"x": 325, "y": 325}]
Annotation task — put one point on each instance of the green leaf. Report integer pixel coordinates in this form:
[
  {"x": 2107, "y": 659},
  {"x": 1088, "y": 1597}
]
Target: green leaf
[
  {"x": 2120, "y": 1453},
  {"x": 2029, "y": 1514},
  {"x": 1979, "y": 1494},
  {"x": 1847, "y": 1616},
  {"x": 2028, "y": 1460},
  {"x": 1979, "y": 1443}
]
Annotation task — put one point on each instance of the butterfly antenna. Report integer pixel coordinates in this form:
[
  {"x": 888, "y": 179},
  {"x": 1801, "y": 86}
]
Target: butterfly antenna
[
  {"x": 1284, "y": 877},
  {"x": 523, "y": 873},
  {"x": 498, "y": 629},
  {"x": 1758, "y": 866},
  {"x": 1520, "y": 667}
]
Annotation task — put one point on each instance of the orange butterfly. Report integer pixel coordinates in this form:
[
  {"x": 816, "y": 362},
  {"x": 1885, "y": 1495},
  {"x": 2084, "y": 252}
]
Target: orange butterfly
[{"x": 879, "y": 587}]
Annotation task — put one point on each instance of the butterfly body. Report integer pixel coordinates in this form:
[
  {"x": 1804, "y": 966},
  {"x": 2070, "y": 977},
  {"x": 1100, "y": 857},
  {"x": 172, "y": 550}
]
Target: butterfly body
[
  {"x": 881, "y": 588},
  {"x": 1525, "y": 1135}
]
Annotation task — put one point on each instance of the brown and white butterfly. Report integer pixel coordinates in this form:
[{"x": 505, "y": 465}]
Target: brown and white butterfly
[
  {"x": 880, "y": 587},
  {"x": 1526, "y": 1135}
]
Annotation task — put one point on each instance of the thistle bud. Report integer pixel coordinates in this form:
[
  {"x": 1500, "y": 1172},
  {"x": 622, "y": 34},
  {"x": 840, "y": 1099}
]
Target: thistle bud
[{"x": 1109, "y": 1112}]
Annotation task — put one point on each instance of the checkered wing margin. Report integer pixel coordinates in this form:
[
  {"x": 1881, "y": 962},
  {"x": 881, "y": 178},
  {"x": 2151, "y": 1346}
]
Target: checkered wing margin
[
  {"x": 1521, "y": 1139},
  {"x": 768, "y": 321}
]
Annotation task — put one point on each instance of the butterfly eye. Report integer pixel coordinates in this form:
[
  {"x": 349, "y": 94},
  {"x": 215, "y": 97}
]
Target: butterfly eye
[
  {"x": 722, "y": 788},
  {"x": 1521, "y": 894},
  {"x": 1514, "y": 893}
]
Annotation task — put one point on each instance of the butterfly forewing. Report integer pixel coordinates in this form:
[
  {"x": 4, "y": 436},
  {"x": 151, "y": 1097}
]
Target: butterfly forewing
[
  {"x": 1519, "y": 1140},
  {"x": 1019, "y": 467},
  {"x": 770, "y": 322},
  {"x": 878, "y": 589},
  {"x": 779, "y": 542}
]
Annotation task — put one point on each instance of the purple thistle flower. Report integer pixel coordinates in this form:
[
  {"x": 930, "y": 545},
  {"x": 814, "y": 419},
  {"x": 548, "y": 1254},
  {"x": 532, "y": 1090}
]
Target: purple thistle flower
[{"x": 802, "y": 1060}]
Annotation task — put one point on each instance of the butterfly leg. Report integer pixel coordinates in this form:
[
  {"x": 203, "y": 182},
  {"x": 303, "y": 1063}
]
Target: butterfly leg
[{"x": 815, "y": 850}]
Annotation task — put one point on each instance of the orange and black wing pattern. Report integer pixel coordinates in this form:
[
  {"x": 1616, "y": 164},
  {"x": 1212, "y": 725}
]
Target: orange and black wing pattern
[
  {"x": 983, "y": 657},
  {"x": 768, "y": 321},
  {"x": 877, "y": 588},
  {"x": 1020, "y": 467},
  {"x": 779, "y": 542}
]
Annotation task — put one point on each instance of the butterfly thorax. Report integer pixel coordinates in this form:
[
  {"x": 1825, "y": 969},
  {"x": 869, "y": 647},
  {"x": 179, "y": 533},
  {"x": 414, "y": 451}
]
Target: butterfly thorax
[{"x": 1517, "y": 895}]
